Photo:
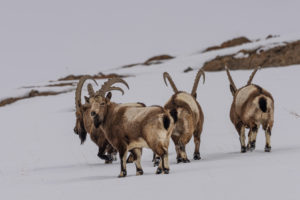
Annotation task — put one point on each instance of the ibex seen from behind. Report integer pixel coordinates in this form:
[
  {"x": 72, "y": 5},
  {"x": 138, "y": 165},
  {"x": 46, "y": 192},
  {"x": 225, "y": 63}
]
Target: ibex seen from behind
[
  {"x": 188, "y": 117},
  {"x": 252, "y": 106}
]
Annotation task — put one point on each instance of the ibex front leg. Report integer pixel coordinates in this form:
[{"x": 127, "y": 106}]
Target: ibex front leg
[{"x": 123, "y": 155}]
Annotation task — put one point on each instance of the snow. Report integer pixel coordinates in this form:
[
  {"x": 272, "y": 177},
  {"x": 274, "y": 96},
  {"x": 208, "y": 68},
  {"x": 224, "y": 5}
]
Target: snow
[
  {"x": 41, "y": 157},
  {"x": 241, "y": 55}
]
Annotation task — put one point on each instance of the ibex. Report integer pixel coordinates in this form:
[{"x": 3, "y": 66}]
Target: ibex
[
  {"x": 132, "y": 128},
  {"x": 252, "y": 106},
  {"x": 84, "y": 123},
  {"x": 188, "y": 117}
]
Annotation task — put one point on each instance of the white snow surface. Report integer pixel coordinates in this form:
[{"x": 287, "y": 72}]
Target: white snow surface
[{"x": 41, "y": 157}]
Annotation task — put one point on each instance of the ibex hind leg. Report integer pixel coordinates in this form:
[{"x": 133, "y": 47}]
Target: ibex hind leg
[
  {"x": 183, "y": 154},
  {"x": 268, "y": 139},
  {"x": 252, "y": 138},
  {"x": 176, "y": 139},
  {"x": 164, "y": 161},
  {"x": 137, "y": 153},
  {"x": 155, "y": 160},
  {"x": 131, "y": 158},
  {"x": 197, "y": 141},
  {"x": 241, "y": 130}
]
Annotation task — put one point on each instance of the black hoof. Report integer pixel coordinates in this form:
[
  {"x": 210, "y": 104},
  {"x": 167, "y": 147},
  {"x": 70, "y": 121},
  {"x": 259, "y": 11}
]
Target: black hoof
[
  {"x": 139, "y": 172},
  {"x": 166, "y": 171},
  {"x": 123, "y": 174},
  {"x": 179, "y": 160},
  {"x": 108, "y": 161},
  {"x": 267, "y": 149},
  {"x": 156, "y": 162},
  {"x": 243, "y": 150},
  {"x": 102, "y": 156},
  {"x": 159, "y": 171},
  {"x": 110, "y": 157},
  {"x": 197, "y": 156},
  {"x": 186, "y": 160}
]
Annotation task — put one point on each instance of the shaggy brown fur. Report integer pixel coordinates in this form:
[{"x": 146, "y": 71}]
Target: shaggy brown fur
[
  {"x": 84, "y": 123},
  {"x": 252, "y": 106},
  {"x": 188, "y": 117},
  {"x": 132, "y": 128}
]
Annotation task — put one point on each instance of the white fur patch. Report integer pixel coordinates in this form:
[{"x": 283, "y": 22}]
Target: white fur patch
[
  {"x": 133, "y": 114},
  {"x": 185, "y": 97},
  {"x": 131, "y": 105},
  {"x": 243, "y": 95}
]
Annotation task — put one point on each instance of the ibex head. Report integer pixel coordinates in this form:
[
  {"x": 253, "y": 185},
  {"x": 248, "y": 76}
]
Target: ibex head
[
  {"x": 79, "y": 128},
  {"x": 100, "y": 100}
]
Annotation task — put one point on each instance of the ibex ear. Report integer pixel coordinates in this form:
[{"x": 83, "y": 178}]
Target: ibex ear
[
  {"x": 232, "y": 90},
  {"x": 108, "y": 96},
  {"x": 87, "y": 100}
]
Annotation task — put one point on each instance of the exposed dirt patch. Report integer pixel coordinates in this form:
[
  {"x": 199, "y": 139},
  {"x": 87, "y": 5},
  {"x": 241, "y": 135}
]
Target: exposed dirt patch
[
  {"x": 31, "y": 94},
  {"x": 52, "y": 85},
  {"x": 97, "y": 76},
  {"x": 229, "y": 43},
  {"x": 283, "y": 55},
  {"x": 157, "y": 59},
  {"x": 271, "y": 36},
  {"x": 152, "y": 61},
  {"x": 35, "y": 93},
  {"x": 188, "y": 70}
]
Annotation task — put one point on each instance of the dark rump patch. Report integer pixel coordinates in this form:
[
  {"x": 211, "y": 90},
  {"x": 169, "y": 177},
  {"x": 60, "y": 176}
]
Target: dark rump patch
[
  {"x": 263, "y": 104},
  {"x": 166, "y": 121}
]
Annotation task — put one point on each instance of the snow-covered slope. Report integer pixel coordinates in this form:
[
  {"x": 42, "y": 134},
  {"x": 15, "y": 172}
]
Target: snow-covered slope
[{"x": 41, "y": 157}]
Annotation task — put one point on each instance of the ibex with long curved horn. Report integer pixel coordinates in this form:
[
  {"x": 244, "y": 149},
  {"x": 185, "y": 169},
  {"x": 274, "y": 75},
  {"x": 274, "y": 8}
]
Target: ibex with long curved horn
[
  {"x": 252, "y": 106},
  {"x": 84, "y": 124},
  {"x": 188, "y": 117},
  {"x": 130, "y": 128}
]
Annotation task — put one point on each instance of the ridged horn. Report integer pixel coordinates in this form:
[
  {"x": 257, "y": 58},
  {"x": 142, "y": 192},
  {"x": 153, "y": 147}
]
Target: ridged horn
[
  {"x": 230, "y": 79},
  {"x": 252, "y": 75},
  {"x": 196, "y": 81},
  {"x": 90, "y": 90},
  {"x": 79, "y": 89},
  {"x": 107, "y": 86},
  {"x": 166, "y": 76}
]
